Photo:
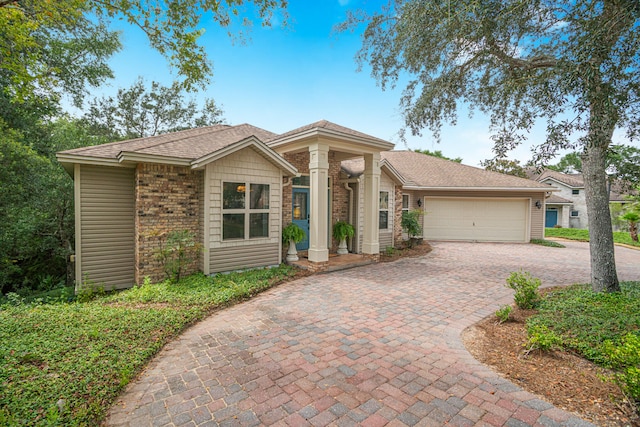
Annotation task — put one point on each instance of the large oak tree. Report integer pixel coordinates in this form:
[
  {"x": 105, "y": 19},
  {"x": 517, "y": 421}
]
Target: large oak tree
[{"x": 573, "y": 64}]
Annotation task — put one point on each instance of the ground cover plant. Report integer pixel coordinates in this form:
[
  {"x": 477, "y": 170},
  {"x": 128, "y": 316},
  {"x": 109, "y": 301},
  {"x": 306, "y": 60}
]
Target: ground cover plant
[
  {"x": 63, "y": 363},
  {"x": 582, "y": 235},
  {"x": 549, "y": 243},
  {"x": 602, "y": 327}
]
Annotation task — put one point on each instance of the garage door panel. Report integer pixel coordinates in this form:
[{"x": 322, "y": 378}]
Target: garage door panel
[{"x": 497, "y": 220}]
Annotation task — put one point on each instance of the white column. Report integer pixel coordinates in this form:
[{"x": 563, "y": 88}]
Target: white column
[
  {"x": 319, "y": 203},
  {"x": 370, "y": 244},
  {"x": 565, "y": 216}
]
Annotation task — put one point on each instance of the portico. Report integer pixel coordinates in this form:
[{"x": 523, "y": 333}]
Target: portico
[{"x": 317, "y": 151}]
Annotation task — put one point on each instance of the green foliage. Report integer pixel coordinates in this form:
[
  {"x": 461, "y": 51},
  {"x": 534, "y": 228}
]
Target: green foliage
[
  {"x": 140, "y": 112},
  {"x": 60, "y": 46},
  {"x": 568, "y": 64},
  {"x": 86, "y": 353},
  {"x": 632, "y": 217},
  {"x": 178, "y": 250},
  {"x": 293, "y": 232},
  {"x": 582, "y": 235},
  {"x": 503, "y": 313},
  {"x": 389, "y": 251},
  {"x": 343, "y": 230},
  {"x": 549, "y": 243},
  {"x": 526, "y": 289},
  {"x": 624, "y": 357},
  {"x": 506, "y": 166},
  {"x": 410, "y": 222},
  {"x": 438, "y": 153},
  {"x": 540, "y": 337},
  {"x": 569, "y": 163}
]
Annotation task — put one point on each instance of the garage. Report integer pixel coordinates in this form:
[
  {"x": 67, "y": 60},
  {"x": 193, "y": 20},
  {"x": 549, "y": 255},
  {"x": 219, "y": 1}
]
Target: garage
[{"x": 477, "y": 219}]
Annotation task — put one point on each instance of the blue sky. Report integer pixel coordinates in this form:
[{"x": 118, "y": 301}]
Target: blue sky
[{"x": 285, "y": 78}]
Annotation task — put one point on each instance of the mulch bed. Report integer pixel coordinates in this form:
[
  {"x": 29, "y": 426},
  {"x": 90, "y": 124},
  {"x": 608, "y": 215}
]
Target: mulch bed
[{"x": 559, "y": 377}]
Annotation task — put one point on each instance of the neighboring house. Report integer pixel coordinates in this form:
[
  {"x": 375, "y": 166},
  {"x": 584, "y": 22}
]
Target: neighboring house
[
  {"x": 567, "y": 207},
  {"x": 236, "y": 187}
]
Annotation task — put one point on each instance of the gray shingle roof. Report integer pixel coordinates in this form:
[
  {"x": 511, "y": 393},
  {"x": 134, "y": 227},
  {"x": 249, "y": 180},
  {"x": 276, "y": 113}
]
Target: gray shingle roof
[
  {"x": 421, "y": 170},
  {"x": 326, "y": 125},
  {"x": 188, "y": 144}
]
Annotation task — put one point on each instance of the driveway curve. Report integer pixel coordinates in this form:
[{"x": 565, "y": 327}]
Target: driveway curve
[{"x": 372, "y": 346}]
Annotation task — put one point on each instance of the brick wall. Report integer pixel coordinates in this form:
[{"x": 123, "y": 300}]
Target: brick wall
[
  {"x": 397, "y": 224},
  {"x": 167, "y": 199},
  {"x": 339, "y": 195}
]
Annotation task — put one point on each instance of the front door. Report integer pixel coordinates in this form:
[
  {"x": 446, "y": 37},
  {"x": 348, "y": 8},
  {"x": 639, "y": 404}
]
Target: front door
[
  {"x": 551, "y": 218},
  {"x": 301, "y": 214}
]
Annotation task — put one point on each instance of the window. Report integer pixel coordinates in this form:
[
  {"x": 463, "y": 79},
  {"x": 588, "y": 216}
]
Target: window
[
  {"x": 575, "y": 213},
  {"x": 405, "y": 203},
  {"x": 242, "y": 217},
  {"x": 383, "y": 221},
  {"x": 575, "y": 192}
]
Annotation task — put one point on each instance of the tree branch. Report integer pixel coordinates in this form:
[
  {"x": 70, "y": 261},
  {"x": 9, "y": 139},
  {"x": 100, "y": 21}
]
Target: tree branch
[{"x": 523, "y": 64}]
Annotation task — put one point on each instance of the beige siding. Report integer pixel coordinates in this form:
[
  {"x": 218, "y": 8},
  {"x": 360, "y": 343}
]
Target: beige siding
[
  {"x": 246, "y": 166},
  {"x": 385, "y": 237},
  {"x": 106, "y": 225},
  {"x": 240, "y": 258}
]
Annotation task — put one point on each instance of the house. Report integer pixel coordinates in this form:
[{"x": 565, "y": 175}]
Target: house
[
  {"x": 567, "y": 207},
  {"x": 236, "y": 186}
]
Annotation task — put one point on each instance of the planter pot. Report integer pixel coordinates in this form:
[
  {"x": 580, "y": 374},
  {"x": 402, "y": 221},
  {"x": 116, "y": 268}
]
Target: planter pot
[
  {"x": 292, "y": 253},
  {"x": 342, "y": 247}
]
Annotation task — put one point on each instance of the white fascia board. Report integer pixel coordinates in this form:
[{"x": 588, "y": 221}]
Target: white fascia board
[
  {"x": 318, "y": 132},
  {"x": 526, "y": 189},
  {"x": 560, "y": 182}
]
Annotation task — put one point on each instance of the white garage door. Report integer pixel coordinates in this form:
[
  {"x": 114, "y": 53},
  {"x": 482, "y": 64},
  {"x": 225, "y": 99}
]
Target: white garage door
[{"x": 488, "y": 220}]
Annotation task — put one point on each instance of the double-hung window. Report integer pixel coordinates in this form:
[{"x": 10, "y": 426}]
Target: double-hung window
[
  {"x": 383, "y": 219},
  {"x": 405, "y": 203},
  {"x": 245, "y": 210}
]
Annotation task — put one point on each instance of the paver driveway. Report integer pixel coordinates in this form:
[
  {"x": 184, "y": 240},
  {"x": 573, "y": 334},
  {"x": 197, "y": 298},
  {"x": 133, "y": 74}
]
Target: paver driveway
[{"x": 377, "y": 345}]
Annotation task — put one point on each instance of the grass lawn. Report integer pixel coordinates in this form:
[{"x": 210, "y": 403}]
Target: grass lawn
[
  {"x": 583, "y": 235},
  {"x": 79, "y": 356},
  {"x": 604, "y": 328}
]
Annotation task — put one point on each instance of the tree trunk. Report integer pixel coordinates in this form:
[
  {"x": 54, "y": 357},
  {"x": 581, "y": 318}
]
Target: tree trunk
[{"x": 603, "y": 265}]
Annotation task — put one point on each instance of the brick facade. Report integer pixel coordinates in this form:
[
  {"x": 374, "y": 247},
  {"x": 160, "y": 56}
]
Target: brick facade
[
  {"x": 397, "y": 224},
  {"x": 167, "y": 199},
  {"x": 339, "y": 195}
]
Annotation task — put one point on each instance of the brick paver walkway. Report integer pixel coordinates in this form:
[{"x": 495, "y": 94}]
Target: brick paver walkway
[{"x": 373, "y": 346}]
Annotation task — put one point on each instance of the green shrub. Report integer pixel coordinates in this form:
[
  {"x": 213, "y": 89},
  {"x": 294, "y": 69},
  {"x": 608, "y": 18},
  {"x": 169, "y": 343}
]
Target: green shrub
[
  {"x": 549, "y": 243},
  {"x": 540, "y": 337},
  {"x": 343, "y": 230},
  {"x": 503, "y": 313},
  {"x": 526, "y": 289},
  {"x": 411, "y": 222},
  {"x": 177, "y": 251},
  {"x": 292, "y": 232},
  {"x": 625, "y": 359}
]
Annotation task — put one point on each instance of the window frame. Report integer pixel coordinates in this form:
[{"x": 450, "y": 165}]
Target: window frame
[
  {"x": 577, "y": 214},
  {"x": 247, "y": 211},
  {"x": 575, "y": 192},
  {"x": 381, "y": 210}
]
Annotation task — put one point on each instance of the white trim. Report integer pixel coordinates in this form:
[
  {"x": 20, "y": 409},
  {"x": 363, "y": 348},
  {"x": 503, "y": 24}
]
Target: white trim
[
  {"x": 561, "y": 183},
  {"x": 87, "y": 160},
  {"x": 322, "y": 132},
  {"x": 453, "y": 189},
  {"x": 206, "y": 252},
  {"x": 78, "y": 225}
]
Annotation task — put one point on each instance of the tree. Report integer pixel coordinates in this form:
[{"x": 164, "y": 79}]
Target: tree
[
  {"x": 139, "y": 111},
  {"x": 506, "y": 166},
  {"x": 57, "y": 47},
  {"x": 571, "y": 63},
  {"x": 438, "y": 153},
  {"x": 569, "y": 163}
]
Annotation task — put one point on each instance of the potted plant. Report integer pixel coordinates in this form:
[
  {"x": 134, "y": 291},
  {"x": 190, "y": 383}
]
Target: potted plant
[
  {"x": 411, "y": 225},
  {"x": 291, "y": 235},
  {"x": 342, "y": 231}
]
